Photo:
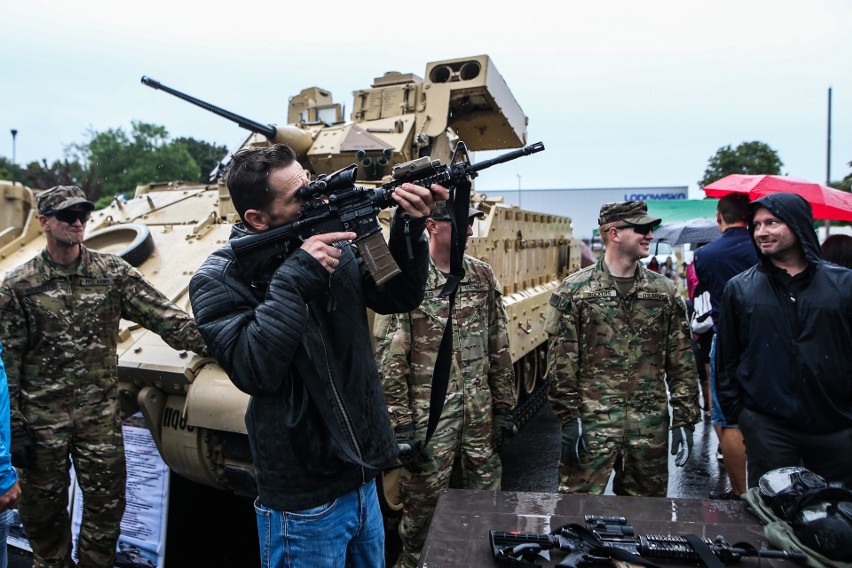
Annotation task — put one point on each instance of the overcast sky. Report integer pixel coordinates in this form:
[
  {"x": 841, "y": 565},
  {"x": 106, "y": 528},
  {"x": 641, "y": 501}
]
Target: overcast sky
[{"x": 622, "y": 93}]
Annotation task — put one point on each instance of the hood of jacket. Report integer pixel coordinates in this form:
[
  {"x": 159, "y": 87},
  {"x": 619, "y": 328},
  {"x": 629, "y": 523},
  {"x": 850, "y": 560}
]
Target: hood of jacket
[{"x": 796, "y": 212}]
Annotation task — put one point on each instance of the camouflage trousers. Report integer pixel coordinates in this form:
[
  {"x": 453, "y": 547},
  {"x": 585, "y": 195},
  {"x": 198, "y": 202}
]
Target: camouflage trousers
[
  {"x": 477, "y": 466},
  {"x": 93, "y": 437},
  {"x": 634, "y": 445}
]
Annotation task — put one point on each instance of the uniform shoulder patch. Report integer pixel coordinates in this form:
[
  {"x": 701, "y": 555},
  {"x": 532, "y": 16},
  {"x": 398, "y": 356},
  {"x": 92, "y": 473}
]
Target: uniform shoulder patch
[{"x": 561, "y": 303}]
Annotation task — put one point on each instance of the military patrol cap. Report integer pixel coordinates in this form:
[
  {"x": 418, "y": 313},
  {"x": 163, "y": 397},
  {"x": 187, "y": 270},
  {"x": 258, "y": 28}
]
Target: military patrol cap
[
  {"x": 633, "y": 212},
  {"x": 62, "y": 197},
  {"x": 440, "y": 213}
]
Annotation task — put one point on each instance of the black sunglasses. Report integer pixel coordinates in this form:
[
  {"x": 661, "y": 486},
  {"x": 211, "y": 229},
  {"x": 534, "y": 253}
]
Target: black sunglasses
[
  {"x": 639, "y": 229},
  {"x": 71, "y": 216}
]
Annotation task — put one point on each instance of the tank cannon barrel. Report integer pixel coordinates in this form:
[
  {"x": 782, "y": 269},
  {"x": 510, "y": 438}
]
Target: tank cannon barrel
[{"x": 266, "y": 129}]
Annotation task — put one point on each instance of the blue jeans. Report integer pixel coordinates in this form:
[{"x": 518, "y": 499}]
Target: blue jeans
[
  {"x": 717, "y": 417},
  {"x": 6, "y": 519},
  {"x": 348, "y": 531}
]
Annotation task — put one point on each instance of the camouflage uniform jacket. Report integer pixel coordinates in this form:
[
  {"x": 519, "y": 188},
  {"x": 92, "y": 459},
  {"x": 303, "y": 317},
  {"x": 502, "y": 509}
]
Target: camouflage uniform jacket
[
  {"x": 60, "y": 331},
  {"x": 609, "y": 351},
  {"x": 481, "y": 377}
]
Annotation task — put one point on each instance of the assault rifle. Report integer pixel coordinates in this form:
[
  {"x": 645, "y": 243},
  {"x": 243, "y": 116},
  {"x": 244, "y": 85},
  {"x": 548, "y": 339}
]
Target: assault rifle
[
  {"x": 334, "y": 203},
  {"x": 604, "y": 539}
]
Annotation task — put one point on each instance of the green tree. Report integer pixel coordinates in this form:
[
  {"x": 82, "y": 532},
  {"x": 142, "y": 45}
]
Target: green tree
[
  {"x": 747, "y": 158},
  {"x": 208, "y": 156},
  {"x": 846, "y": 183},
  {"x": 120, "y": 161},
  {"x": 41, "y": 175},
  {"x": 6, "y": 169}
]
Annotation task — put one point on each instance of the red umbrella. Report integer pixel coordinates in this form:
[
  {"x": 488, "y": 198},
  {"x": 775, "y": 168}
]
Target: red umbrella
[{"x": 827, "y": 203}]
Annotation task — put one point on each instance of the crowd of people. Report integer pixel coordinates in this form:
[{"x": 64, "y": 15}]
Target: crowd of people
[{"x": 328, "y": 414}]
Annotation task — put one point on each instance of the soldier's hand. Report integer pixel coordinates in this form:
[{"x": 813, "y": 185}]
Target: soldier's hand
[
  {"x": 412, "y": 454},
  {"x": 504, "y": 426},
  {"x": 23, "y": 453},
  {"x": 573, "y": 440},
  {"x": 681, "y": 445},
  {"x": 9, "y": 500},
  {"x": 419, "y": 201}
]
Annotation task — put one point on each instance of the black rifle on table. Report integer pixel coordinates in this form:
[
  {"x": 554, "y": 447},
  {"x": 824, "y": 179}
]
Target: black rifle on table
[
  {"x": 334, "y": 203},
  {"x": 604, "y": 539}
]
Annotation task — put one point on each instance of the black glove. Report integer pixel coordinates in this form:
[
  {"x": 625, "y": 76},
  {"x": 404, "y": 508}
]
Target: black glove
[
  {"x": 504, "y": 426},
  {"x": 412, "y": 454},
  {"x": 573, "y": 438},
  {"x": 23, "y": 453},
  {"x": 681, "y": 444}
]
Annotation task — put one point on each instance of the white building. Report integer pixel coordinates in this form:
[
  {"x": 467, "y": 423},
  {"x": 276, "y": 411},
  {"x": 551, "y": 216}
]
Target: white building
[{"x": 582, "y": 205}]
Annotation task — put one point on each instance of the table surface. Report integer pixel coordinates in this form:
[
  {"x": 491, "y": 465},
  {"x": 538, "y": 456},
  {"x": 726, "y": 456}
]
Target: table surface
[{"x": 459, "y": 532}]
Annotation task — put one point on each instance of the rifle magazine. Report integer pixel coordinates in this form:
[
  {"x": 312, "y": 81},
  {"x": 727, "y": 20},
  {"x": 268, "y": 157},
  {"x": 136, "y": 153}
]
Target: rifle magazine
[{"x": 376, "y": 254}]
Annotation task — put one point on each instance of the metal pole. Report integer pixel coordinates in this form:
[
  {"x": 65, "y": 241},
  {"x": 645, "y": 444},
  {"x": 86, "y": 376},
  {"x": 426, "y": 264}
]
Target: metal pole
[
  {"x": 828, "y": 159},
  {"x": 14, "y": 132}
]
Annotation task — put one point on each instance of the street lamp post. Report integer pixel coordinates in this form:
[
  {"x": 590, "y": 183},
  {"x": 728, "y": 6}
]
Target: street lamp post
[{"x": 14, "y": 166}]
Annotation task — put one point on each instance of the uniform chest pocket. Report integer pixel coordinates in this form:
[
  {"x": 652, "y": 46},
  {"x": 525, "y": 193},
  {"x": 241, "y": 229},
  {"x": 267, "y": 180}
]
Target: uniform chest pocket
[
  {"x": 650, "y": 314},
  {"x": 471, "y": 320},
  {"x": 599, "y": 312},
  {"x": 470, "y": 310},
  {"x": 471, "y": 349},
  {"x": 52, "y": 305},
  {"x": 96, "y": 295}
]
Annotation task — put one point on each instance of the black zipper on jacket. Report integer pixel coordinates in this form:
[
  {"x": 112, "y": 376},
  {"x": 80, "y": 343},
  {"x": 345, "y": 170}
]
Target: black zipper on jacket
[{"x": 338, "y": 399}]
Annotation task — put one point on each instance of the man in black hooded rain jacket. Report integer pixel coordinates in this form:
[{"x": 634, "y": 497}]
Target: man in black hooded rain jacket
[{"x": 785, "y": 333}]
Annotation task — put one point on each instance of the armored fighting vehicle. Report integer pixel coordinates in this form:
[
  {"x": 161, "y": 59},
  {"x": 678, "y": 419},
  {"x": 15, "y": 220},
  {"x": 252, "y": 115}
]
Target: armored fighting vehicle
[{"x": 168, "y": 229}]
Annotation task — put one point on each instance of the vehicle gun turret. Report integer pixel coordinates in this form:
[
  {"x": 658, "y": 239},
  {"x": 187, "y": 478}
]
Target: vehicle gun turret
[{"x": 399, "y": 119}]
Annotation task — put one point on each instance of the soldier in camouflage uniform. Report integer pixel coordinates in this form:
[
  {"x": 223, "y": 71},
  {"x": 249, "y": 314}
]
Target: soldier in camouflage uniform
[
  {"x": 481, "y": 392},
  {"x": 59, "y": 317},
  {"x": 618, "y": 336}
]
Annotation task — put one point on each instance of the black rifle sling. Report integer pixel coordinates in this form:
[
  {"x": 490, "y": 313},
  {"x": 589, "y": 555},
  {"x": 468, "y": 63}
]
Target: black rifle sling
[
  {"x": 704, "y": 551},
  {"x": 441, "y": 375},
  {"x": 458, "y": 208}
]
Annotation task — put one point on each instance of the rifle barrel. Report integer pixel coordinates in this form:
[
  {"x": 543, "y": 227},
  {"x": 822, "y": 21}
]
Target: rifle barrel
[
  {"x": 525, "y": 151},
  {"x": 766, "y": 553}
]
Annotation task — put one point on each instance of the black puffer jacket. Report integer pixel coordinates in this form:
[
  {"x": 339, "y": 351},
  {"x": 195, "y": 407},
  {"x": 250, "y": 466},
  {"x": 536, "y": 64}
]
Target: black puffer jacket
[
  {"x": 782, "y": 356},
  {"x": 302, "y": 350}
]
